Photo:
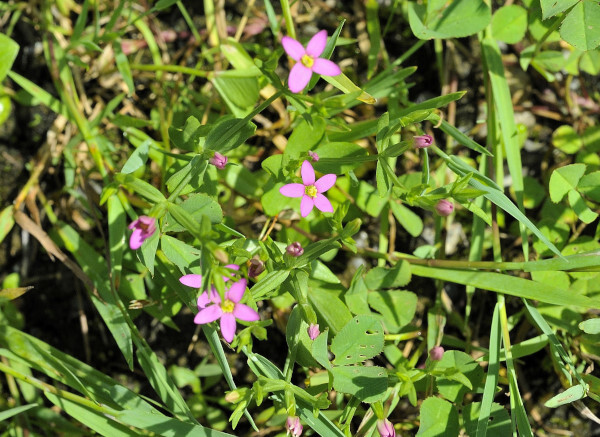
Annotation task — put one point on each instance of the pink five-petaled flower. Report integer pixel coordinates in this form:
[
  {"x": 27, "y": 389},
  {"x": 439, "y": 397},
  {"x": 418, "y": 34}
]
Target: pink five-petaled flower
[
  {"x": 195, "y": 281},
  {"x": 227, "y": 310},
  {"x": 422, "y": 141},
  {"x": 293, "y": 426},
  {"x": 385, "y": 428},
  {"x": 308, "y": 61},
  {"x": 143, "y": 227},
  {"x": 310, "y": 191}
]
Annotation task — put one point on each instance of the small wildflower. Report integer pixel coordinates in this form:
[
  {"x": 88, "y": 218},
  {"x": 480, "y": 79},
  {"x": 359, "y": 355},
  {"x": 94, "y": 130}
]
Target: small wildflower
[
  {"x": 295, "y": 249},
  {"x": 255, "y": 268},
  {"x": 310, "y": 191},
  {"x": 195, "y": 281},
  {"x": 143, "y": 227},
  {"x": 313, "y": 331},
  {"x": 308, "y": 60},
  {"x": 313, "y": 155},
  {"x": 293, "y": 426},
  {"x": 422, "y": 141},
  {"x": 218, "y": 161},
  {"x": 436, "y": 353},
  {"x": 385, "y": 428},
  {"x": 227, "y": 311},
  {"x": 444, "y": 207}
]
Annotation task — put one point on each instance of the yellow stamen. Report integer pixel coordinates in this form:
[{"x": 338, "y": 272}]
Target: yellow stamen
[
  {"x": 307, "y": 61},
  {"x": 227, "y": 306},
  {"x": 310, "y": 191}
]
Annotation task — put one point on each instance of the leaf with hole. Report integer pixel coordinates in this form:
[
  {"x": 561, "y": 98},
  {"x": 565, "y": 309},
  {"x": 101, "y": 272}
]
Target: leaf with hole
[{"x": 360, "y": 339}]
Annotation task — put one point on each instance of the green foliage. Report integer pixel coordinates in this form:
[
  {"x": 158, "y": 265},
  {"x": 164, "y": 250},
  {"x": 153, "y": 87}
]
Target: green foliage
[{"x": 442, "y": 19}]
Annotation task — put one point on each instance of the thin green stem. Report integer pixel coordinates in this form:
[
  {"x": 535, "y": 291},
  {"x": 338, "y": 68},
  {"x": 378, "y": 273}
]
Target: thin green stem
[
  {"x": 170, "y": 69},
  {"x": 287, "y": 15},
  {"x": 189, "y": 21}
]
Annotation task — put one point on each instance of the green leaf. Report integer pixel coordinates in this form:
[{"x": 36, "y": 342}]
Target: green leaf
[
  {"x": 565, "y": 138},
  {"x": 446, "y": 19},
  {"x": 268, "y": 283},
  {"x": 438, "y": 418},
  {"x": 381, "y": 277},
  {"x": 407, "y": 218},
  {"x": 580, "y": 208},
  {"x": 509, "y": 23},
  {"x": 590, "y": 326},
  {"x": 137, "y": 159},
  {"x": 196, "y": 205},
  {"x": 344, "y": 84},
  {"x": 331, "y": 311},
  {"x": 141, "y": 187},
  {"x": 123, "y": 67},
  {"x": 239, "y": 93},
  {"x": 506, "y": 284},
  {"x": 296, "y": 333},
  {"x": 565, "y": 179},
  {"x": 7, "y": 222},
  {"x": 229, "y": 134},
  {"x": 8, "y": 54},
  {"x": 179, "y": 253},
  {"x": 397, "y": 307},
  {"x": 319, "y": 350},
  {"x": 581, "y": 27},
  {"x": 339, "y": 158},
  {"x": 460, "y": 373},
  {"x": 552, "y": 7},
  {"x": 7, "y": 414},
  {"x": 498, "y": 420},
  {"x": 306, "y": 136},
  {"x": 368, "y": 384},
  {"x": 571, "y": 394},
  {"x": 360, "y": 339},
  {"x": 117, "y": 230},
  {"x": 148, "y": 250}
]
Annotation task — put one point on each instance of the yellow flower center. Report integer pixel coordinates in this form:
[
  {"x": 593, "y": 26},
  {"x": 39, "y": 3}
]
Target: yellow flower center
[
  {"x": 307, "y": 61},
  {"x": 227, "y": 306},
  {"x": 310, "y": 191}
]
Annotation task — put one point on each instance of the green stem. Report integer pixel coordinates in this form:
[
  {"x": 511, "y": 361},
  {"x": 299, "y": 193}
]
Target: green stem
[
  {"x": 287, "y": 15},
  {"x": 170, "y": 69},
  {"x": 189, "y": 21}
]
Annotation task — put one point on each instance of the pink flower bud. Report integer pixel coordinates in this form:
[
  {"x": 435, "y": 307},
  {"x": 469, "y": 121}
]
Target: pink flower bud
[
  {"x": 255, "y": 268},
  {"x": 313, "y": 156},
  {"x": 294, "y": 249},
  {"x": 444, "y": 207},
  {"x": 385, "y": 428},
  {"x": 436, "y": 353},
  {"x": 293, "y": 426},
  {"x": 143, "y": 228},
  {"x": 218, "y": 161},
  {"x": 422, "y": 141},
  {"x": 313, "y": 331}
]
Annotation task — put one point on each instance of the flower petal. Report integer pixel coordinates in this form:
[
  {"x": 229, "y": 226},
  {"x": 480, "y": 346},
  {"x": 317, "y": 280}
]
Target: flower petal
[
  {"x": 325, "y": 183},
  {"x": 308, "y": 173},
  {"x": 228, "y": 326},
  {"x": 236, "y": 291},
  {"x": 292, "y": 190},
  {"x": 293, "y": 48},
  {"x": 326, "y": 67},
  {"x": 244, "y": 312},
  {"x": 306, "y": 205},
  {"x": 322, "y": 203},
  {"x": 317, "y": 43},
  {"x": 299, "y": 77},
  {"x": 231, "y": 267},
  {"x": 136, "y": 239},
  {"x": 134, "y": 224},
  {"x": 205, "y": 298},
  {"x": 208, "y": 314},
  {"x": 194, "y": 281}
]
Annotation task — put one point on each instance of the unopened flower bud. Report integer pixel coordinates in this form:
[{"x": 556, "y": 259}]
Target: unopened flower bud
[
  {"x": 293, "y": 426},
  {"x": 294, "y": 249},
  {"x": 313, "y": 155},
  {"x": 385, "y": 428},
  {"x": 233, "y": 396},
  {"x": 444, "y": 207},
  {"x": 313, "y": 331},
  {"x": 255, "y": 268},
  {"x": 436, "y": 353},
  {"x": 422, "y": 141},
  {"x": 218, "y": 161}
]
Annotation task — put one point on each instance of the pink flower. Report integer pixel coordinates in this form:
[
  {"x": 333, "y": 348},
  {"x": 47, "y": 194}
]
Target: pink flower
[
  {"x": 227, "y": 311},
  {"x": 436, "y": 353},
  {"x": 310, "y": 191},
  {"x": 444, "y": 207},
  {"x": 143, "y": 227},
  {"x": 313, "y": 155},
  {"x": 293, "y": 426},
  {"x": 422, "y": 141},
  {"x": 195, "y": 281},
  {"x": 295, "y": 249},
  {"x": 313, "y": 331},
  {"x": 385, "y": 428},
  {"x": 308, "y": 61},
  {"x": 218, "y": 161}
]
